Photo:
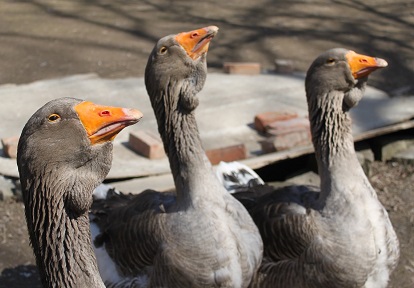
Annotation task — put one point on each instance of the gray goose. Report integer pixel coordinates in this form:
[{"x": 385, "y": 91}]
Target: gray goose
[
  {"x": 199, "y": 237},
  {"x": 64, "y": 152},
  {"x": 340, "y": 236}
]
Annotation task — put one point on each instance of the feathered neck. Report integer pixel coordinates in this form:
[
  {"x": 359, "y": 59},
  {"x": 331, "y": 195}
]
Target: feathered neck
[
  {"x": 57, "y": 203},
  {"x": 331, "y": 129},
  {"x": 177, "y": 125}
]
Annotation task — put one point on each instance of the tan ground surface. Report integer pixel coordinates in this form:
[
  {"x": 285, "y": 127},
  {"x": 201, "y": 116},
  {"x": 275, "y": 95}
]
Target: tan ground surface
[{"x": 49, "y": 39}]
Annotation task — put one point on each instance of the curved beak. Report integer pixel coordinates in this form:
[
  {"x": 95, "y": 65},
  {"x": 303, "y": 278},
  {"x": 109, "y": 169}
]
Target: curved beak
[
  {"x": 196, "y": 42},
  {"x": 362, "y": 65},
  {"x": 103, "y": 123}
]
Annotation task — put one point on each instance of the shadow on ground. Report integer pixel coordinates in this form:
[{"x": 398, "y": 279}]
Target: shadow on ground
[{"x": 114, "y": 38}]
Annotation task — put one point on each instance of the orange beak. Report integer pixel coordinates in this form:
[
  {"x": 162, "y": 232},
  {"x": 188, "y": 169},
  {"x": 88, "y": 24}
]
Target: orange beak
[
  {"x": 103, "y": 123},
  {"x": 196, "y": 42},
  {"x": 362, "y": 65}
]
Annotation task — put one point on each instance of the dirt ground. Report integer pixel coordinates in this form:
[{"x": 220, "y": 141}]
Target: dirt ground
[
  {"x": 393, "y": 182},
  {"x": 50, "y": 39}
]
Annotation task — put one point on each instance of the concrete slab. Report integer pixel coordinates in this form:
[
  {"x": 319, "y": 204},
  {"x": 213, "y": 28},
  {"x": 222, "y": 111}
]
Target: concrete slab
[
  {"x": 228, "y": 104},
  {"x": 405, "y": 157}
]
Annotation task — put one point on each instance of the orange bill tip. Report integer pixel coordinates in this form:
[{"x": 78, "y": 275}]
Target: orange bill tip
[
  {"x": 103, "y": 123},
  {"x": 196, "y": 42},
  {"x": 362, "y": 65}
]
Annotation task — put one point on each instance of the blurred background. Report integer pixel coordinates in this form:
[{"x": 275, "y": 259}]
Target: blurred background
[{"x": 49, "y": 39}]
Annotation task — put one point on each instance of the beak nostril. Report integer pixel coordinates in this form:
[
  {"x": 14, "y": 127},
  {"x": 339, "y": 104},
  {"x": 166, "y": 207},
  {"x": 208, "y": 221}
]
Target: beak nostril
[
  {"x": 363, "y": 60},
  {"x": 105, "y": 113},
  {"x": 195, "y": 34}
]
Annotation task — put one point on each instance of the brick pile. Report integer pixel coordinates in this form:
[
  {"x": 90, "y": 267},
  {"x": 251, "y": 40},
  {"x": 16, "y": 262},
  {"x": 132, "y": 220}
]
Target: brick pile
[{"x": 284, "y": 130}]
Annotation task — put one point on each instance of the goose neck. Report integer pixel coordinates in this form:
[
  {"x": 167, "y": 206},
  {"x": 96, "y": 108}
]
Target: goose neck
[
  {"x": 330, "y": 128},
  {"x": 61, "y": 239},
  {"x": 333, "y": 143},
  {"x": 189, "y": 164}
]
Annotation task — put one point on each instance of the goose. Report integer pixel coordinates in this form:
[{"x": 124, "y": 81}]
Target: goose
[
  {"x": 339, "y": 235},
  {"x": 64, "y": 152},
  {"x": 200, "y": 236}
]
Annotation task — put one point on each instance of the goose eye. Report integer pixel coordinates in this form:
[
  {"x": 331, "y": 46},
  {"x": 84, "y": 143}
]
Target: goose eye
[
  {"x": 330, "y": 61},
  {"x": 163, "y": 50},
  {"x": 53, "y": 117}
]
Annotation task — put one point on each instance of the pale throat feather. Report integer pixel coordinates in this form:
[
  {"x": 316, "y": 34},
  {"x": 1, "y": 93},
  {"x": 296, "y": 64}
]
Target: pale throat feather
[
  {"x": 330, "y": 127},
  {"x": 334, "y": 147}
]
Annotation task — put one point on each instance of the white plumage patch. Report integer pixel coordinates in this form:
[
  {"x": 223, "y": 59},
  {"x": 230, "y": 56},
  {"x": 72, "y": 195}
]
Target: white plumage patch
[
  {"x": 101, "y": 191},
  {"x": 235, "y": 176},
  {"x": 106, "y": 265}
]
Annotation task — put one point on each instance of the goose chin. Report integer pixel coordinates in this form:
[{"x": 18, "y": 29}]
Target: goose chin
[
  {"x": 108, "y": 133},
  {"x": 364, "y": 72}
]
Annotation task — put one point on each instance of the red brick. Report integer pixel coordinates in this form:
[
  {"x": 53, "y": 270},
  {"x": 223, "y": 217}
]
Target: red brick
[
  {"x": 287, "y": 134},
  {"x": 287, "y": 140},
  {"x": 244, "y": 68},
  {"x": 290, "y": 125},
  {"x": 264, "y": 119},
  {"x": 10, "y": 146},
  {"x": 227, "y": 154},
  {"x": 147, "y": 143}
]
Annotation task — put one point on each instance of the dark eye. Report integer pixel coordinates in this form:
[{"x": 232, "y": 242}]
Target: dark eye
[
  {"x": 53, "y": 117},
  {"x": 330, "y": 61},
  {"x": 163, "y": 49}
]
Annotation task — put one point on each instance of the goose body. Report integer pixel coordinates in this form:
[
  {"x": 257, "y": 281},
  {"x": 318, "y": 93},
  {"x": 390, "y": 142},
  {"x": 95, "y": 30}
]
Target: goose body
[
  {"x": 340, "y": 235},
  {"x": 64, "y": 152},
  {"x": 200, "y": 236}
]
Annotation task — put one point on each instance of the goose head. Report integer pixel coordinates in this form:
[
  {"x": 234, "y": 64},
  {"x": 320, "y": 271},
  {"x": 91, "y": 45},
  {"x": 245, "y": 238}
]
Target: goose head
[
  {"x": 64, "y": 152},
  {"x": 68, "y": 142},
  {"x": 341, "y": 70},
  {"x": 177, "y": 66}
]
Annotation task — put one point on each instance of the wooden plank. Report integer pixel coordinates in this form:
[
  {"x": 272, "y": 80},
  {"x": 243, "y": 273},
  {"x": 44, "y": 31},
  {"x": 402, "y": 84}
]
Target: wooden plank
[
  {"x": 228, "y": 104},
  {"x": 165, "y": 182},
  {"x": 384, "y": 130},
  {"x": 267, "y": 159}
]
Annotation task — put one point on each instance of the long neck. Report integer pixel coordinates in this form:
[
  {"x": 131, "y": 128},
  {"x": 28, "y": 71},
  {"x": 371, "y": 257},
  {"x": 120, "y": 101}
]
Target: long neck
[
  {"x": 177, "y": 125},
  {"x": 334, "y": 146},
  {"x": 60, "y": 237}
]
